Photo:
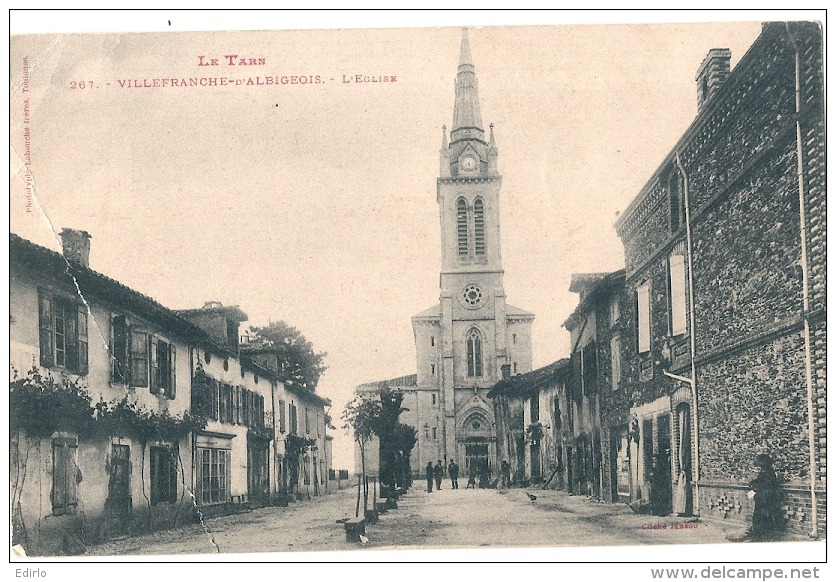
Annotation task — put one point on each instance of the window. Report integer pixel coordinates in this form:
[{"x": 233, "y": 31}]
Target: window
[
  {"x": 119, "y": 349},
  {"x": 163, "y": 475},
  {"x": 65, "y": 475},
  {"x": 282, "y": 417},
  {"x": 293, "y": 419},
  {"x": 643, "y": 318},
  {"x": 163, "y": 364},
  {"x": 62, "y": 333},
  {"x": 615, "y": 361},
  {"x": 479, "y": 227},
  {"x": 433, "y": 399},
  {"x": 676, "y": 271},
  {"x": 514, "y": 338},
  {"x": 432, "y": 341},
  {"x": 615, "y": 310},
  {"x": 515, "y": 367},
  {"x": 590, "y": 368},
  {"x": 677, "y": 202},
  {"x": 307, "y": 422},
  {"x": 226, "y": 408},
  {"x": 534, "y": 408},
  {"x": 214, "y": 467},
  {"x": 435, "y": 433},
  {"x": 138, "y": 358},
  {"x": 432, "y": 369},
  {"x": 474, "y": 353},
  {"x": 461, "y": 227}
]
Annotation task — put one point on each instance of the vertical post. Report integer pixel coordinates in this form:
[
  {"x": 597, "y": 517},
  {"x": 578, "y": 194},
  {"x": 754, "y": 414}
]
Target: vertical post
[{"x": 357, "y": 508}]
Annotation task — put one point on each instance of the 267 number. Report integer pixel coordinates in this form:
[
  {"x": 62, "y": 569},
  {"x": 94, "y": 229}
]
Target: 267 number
[{"x": 81, "y": 84}]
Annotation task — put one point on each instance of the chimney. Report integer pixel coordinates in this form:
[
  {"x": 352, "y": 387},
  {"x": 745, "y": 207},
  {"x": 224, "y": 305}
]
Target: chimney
[
  {"x": 712, "y": 73},
  {"x": 506, "y": 371},
  {"x": 76, "y": 246}
]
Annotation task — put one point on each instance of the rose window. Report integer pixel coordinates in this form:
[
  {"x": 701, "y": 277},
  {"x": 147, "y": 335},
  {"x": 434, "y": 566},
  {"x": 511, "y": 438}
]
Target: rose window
[{"x": 472, "y": 295}]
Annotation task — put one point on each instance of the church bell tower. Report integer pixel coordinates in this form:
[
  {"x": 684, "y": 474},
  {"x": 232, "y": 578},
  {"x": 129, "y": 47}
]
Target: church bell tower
[{"x": 464, "y": 341}]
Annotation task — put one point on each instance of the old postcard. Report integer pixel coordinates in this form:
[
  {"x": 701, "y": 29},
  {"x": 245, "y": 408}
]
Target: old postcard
[{"x": 555, "y": 288}]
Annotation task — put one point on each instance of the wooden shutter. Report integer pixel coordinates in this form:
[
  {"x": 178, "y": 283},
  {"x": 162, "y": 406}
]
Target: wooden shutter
[
  {"x": 82, "y": 340},
  {"x": 215, "y": 389},
  {"x": 677, "y": 294},
  {"x": 643, "y": 317},
  {"x": 45, "y": 336},
  {"x": 172, "y": 473},
  {"x": 119, "y": 349},
  {"x": 139, "y": 357},
  {"x": 65, "y": 475},
  {"x": 172, "y": 371},
  {"x": 70, "y": 314},
  {"x": 282, "y": 417},
  {"x": 154, "y": 376}
]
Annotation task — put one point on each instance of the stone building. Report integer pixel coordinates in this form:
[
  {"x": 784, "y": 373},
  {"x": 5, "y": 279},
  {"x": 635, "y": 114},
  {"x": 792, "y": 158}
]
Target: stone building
[
  {"x": 597, "y": 456},
  {"x": 533, "y": 431},
  {"x": 463, "y": 341},
  {"x": 725, "y": 267}
]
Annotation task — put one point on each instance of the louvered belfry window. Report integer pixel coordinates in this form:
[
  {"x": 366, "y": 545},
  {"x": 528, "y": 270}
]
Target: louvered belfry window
[
  {"x": 461, "y": 227},
  {"x": 479, "y": 227}
]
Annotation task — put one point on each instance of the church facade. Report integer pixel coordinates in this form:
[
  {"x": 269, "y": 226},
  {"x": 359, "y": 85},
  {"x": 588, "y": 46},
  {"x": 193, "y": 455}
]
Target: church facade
[{"x": 464, "y": 342}]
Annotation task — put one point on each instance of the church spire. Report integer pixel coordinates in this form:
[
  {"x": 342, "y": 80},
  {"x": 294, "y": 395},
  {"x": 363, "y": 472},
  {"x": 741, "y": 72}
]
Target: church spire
[{"x": 467, "y": 118}]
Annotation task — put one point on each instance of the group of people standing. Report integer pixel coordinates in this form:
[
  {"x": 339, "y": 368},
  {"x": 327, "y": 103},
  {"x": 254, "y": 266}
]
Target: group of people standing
[{"x": 436, "y": 473}]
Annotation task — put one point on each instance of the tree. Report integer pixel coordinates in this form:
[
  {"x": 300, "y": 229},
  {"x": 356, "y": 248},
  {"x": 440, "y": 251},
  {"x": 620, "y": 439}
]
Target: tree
[
  {"x": 297, "y": 359},
  {"x": 385, "y": 427},
  {"x": 359, "y": 416}
]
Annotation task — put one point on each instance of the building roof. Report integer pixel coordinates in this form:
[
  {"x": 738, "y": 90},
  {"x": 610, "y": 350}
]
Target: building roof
[
  {"x": 42, "y": 259},
  {"x": 592, "y": 292},
  {"x": 399, "y": 382},
  {"x": 433, "y": 312},
  {"x": 517, "y": 312},
  {"x": 231, "y": 312},
  {"x": 524, "y": 383}
]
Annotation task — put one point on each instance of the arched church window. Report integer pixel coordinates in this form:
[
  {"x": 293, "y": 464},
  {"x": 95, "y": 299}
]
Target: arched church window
[
  {"x": 479, "y": 227},
  {"x": 474, "y": 353},
  {"x": 461, "y": 226}
]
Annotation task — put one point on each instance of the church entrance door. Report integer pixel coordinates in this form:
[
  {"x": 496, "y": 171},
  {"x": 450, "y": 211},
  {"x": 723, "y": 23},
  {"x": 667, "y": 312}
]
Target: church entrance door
[{"x": 476, "y": 455}]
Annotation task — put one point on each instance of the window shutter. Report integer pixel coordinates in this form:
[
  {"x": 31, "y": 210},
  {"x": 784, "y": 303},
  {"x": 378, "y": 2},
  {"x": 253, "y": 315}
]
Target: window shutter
[
  {"x": 677, "y": 288},
  {"x": 282, "y": 417},
  {"x": 153, "y": 346},
  {"x": 643, "y": 298},
  {"x": 59, "y": 478},
  {"x": 82, "y": 341},
  {"x": 172, "y": 370},
  {"x": 615, "y": 361},
  {"x": 70, "y": 312},
  {"x": 172, "y": 474},
  {"x": 45, "y": 336},
  {"x": 139, "y": 358},
  {"x": 118, "y": 349},
  {"x": 216, "y": 413}
]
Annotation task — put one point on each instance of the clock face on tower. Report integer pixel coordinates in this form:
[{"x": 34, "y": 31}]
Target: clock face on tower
[{"x": 468, "y": 164}]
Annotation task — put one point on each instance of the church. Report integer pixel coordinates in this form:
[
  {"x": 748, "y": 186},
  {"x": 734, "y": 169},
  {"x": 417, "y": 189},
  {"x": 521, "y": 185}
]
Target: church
[{"x": 466, "y": 342}]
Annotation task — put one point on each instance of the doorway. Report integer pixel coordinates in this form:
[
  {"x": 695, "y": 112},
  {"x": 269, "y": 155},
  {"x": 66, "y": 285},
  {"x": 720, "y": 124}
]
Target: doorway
[
  {"x": 475, "y": 456},
  {"x": 118, "y": 505}
]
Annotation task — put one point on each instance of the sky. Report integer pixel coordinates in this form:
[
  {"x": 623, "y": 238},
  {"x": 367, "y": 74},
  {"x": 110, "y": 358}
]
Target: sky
[{"x": 315, "y": 203}]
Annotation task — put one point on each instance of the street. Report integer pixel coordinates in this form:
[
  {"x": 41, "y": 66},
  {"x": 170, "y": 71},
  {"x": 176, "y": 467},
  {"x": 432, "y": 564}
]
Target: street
[{"x": 447, "y": 518}]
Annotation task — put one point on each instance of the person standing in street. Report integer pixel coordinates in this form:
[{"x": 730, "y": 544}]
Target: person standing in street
[
  {"x": 453, "y": 471},
  {"x": 439, "y": 475},
  {"x": 506, "y": 474},
  {"x": 430, "y": 477}
]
